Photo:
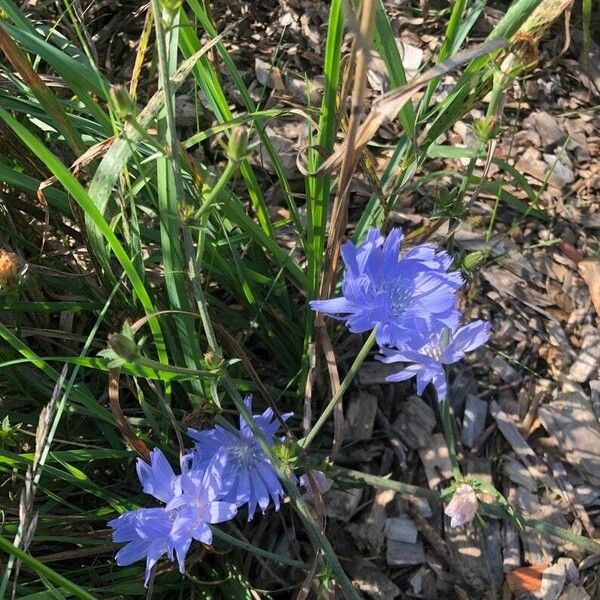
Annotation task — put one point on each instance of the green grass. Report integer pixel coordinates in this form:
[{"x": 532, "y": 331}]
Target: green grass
[{"x": 147, "y": 232}]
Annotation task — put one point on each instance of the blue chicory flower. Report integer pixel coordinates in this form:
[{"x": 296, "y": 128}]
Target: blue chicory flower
[
  {"x": 443, "y": 348},
  {"x": 407, "y": 297},
  {"x": 158, "y": 478},
  {"x": 147, "y": 532},
  {"x": 248, "y": 474},
  {"x": 193, "y": 502},
  {"x": 199, "y": 505}
]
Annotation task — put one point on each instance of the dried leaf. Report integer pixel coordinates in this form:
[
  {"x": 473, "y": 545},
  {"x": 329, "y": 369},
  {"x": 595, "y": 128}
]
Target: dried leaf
[
  {"x": 526, "y": 580},
  {"x": 590, "y": 271}
]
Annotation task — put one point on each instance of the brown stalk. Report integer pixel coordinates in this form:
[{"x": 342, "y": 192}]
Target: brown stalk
[{"x": 359, "y": 57}]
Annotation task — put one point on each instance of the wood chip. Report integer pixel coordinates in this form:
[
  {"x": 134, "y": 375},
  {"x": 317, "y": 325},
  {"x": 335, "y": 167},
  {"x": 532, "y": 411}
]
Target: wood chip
[
  {"x": 504, "y": 370},
  {"x": 342, "y": 504},
  {"x": 519, "y": 474},
  {"x": 374, "y": 373},
  {"x": 518, "y": 443},
  {"x": 553, "y": 581},
  {"x": 509, "y": 284},
  {"x": 587, "y": 362},
  {"x": 571, "y": 421},
  {"x": 415, "y": 422},
  {"x": 401, "y": 530},
  {"x": 368, "y": 534},
  {"x": 371, "y": 581},
  {"x": 473, "y": 420},
  {"x": 511, "y": 551},
  {"x": 399, "y": 554},
  {"x": 360, "y": 417},
  {"x": 525, "y": 580},
  {"x": 537, "y": 548},
  {"x": 575, "y": 592},
  {"x": 436, "y": 460},
  {"x": 548, "y": 128},
  {"x": 468, "y": 546}
]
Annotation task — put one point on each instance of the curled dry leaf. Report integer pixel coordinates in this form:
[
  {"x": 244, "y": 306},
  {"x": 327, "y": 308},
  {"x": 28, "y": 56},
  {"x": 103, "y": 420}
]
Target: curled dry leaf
[{"x": 590, "y": 271}]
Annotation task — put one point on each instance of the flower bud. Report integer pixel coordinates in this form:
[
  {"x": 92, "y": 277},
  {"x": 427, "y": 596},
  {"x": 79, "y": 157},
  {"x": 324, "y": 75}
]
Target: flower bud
[
  {"x": 213, "y": 360},
  {"x": 463, "y": 506},
  {"x": 474, "y": 259},
  {"x": 317, "y": 478},
  {"x": 238, "y": 144},
  {"x": 9, "y": 263},
  {"x": 186, "y": 212},
  {"x": 124, "y": 347},
  {"x": 171, "y": 5},
  {"x": 484, "y": 128},
  {"x": 124, "y": 105}
]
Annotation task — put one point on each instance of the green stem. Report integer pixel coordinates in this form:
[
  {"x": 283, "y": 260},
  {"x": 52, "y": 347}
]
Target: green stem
[
  {"x": 388, "y": 484},
  {"x": 164, "y": 72},
  {"x": 492, "y": 510},
  {"x": 194, "y": 259},
  {"x": 285, "y": 474},
  {"x": 543, "y": 527},
  {"x": 358, "y": 361},
  {"x": 158, "y": 366},
  {"x": 449, "y": 435},
  {"x": 215, "y": 192}
]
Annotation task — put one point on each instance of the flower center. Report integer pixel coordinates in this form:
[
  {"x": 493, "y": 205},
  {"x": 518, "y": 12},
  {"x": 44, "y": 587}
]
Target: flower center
[
  {"x": 399, "y": 294},
  {"x": 436, "y": 346},
  {"x": 434, "y": 350},
  {"x": 243, "y": 453}
]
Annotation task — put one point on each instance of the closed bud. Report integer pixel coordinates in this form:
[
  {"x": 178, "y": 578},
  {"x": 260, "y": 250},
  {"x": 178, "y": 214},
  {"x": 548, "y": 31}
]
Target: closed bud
[
  {"x": 186, "y": 212},
  {"x": 213, "y": 360},
  {"x": 125, "y": 107},
  {"x": 484, "y": 128},
  {"x": 9, "y": 263},
  {"x": 474, "y": 259},
  {"x": 238, "y": 144},
  {"x": 124, "y": 347},
  {"x": 463, "y": 506},
  {"x": 171, "y": 5}
]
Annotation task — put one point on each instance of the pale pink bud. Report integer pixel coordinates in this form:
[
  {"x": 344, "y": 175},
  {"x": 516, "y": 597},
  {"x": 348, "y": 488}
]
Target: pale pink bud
[
  {"x": 323, "y": 483},
  {"x": 463, "y": 506}
]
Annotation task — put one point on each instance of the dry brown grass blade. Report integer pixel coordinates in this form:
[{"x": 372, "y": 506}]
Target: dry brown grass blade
[
  {"x": 308, "y": 389},
  {"x": 34, "y": 82},
  {"x": 334, "y": 378},
  {"x": 87, "y": 157},
  {"x": 361, "y": 54},
  {"x": 387, "y": 107},
  {"x": 91, "y": 154},
  {"x": 360, "y": 57},
  {"x": 141, "y": 54},
  {"x": 122, "y": 423}
]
